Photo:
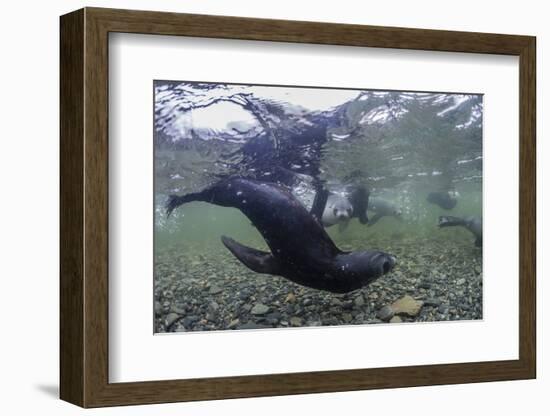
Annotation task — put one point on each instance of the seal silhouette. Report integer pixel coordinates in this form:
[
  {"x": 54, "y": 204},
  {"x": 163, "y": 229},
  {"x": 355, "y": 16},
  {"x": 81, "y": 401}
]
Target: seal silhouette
[
  {"x": 382, "y": 208},
  {"x": 472, "y": 224},
  {"x": 301, "y": 249}
]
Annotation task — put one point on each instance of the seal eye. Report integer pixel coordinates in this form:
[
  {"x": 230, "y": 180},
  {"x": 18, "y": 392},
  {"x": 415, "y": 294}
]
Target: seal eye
[{"x": 386, "y": 266}]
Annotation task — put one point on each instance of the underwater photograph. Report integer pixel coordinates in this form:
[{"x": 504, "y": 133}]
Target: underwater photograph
[{"x": 287, "y": 206}]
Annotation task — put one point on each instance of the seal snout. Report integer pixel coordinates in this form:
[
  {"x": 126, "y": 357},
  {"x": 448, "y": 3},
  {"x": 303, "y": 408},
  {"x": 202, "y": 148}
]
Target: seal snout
[
  {"x": 388, "y": 263},
  {"x": 384, "y": 263}
]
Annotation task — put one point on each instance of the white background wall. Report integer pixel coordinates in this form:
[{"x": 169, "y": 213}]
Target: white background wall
[{"x": 29, "y": 209}]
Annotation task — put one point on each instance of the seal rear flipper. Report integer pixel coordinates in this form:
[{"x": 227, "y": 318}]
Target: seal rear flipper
[
  {"x": 256, "y": 260},
  {"x": 175, "y": 201}
]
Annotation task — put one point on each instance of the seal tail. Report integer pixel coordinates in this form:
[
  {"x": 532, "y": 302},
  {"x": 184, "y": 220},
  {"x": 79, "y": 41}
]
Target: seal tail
[{"x": 449, "y": 221}]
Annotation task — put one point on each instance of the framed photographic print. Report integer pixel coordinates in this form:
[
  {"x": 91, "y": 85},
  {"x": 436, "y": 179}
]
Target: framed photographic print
[{"x": 255, "y": 207}]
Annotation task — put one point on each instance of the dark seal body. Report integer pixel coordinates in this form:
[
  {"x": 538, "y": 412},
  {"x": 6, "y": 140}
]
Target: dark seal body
[
  {"x": 301, "y": 250},
  {"x": 444, "y": 199}
]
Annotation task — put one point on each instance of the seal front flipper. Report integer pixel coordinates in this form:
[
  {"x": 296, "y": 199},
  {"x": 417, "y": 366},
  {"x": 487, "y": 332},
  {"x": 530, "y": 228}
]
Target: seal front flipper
[
  {"x": 359, "y": 199},
  {"x": 319, "y": 203},
  {"x": 256, "y": 260}
]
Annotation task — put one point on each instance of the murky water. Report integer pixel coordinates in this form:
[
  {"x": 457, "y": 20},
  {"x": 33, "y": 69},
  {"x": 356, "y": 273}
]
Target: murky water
[{"x": 401, "y": 146}]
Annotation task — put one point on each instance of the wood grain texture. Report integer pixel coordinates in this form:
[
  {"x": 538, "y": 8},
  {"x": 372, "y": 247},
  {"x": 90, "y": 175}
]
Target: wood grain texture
[
  {"x": 71, "y": 208},
  {"x": 527, "y": 208},
  {"x": 84, "y": 205}
]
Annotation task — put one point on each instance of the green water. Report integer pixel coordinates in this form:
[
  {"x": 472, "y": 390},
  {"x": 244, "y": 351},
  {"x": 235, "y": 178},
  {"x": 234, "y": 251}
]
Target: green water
[{"x": 411, "y": 145}]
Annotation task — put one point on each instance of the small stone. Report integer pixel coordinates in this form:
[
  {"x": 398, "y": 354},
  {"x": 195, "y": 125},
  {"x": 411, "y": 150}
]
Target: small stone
[
  {"x": 347, "y": 317},
  {"x": 259, "y": 309},
  {"x": 296, "y": 321},
  {"x": 395, "y": 320},
  {"x": 335, "y": 302},
  {"x": 290, "y": 298},
  {"x": 330, "y": 321},
  {"x": 348, "y": 304},
  {"x": 307, "y": 302},
  {"x": 188, "y": 321},
  {"x": 274, "y": 316},
  {"x": 443, "y": 308},
  {"x": 461, "y": 281},
  {"x": 386, "y": 313},
  {"x": 158, "y": 308},
  {"x": 359, "y": 301},
  {"x": 407, "y": 305},
  {"x": 179, "y": 311},
  {"x": 214, "y": 290},
  {"x": 478, "y": 269},
  {"x": 432, "y": 302},
  {"x": 234, "y": 323},
  {"x": 424, "y": 285},
  {"x": 171, "y": 318}
]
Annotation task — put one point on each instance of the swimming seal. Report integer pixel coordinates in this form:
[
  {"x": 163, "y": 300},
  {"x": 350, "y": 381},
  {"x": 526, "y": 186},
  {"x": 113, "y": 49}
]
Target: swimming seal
[
  {"x": 472, "y": 224},
  {"x": 301, "y": 250},
  {"x": 382, "y": 208},
  {"x": 444, "y": 199}
]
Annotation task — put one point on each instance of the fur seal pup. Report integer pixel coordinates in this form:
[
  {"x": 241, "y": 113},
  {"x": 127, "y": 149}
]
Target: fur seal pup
[
  {"x": 382, "y": 208},
  {"x": 472, "y": 224},
  {"x": 445, "y": 199},
  {"x": 338, "y": 210},
  {"x": 301, "y": 249}
]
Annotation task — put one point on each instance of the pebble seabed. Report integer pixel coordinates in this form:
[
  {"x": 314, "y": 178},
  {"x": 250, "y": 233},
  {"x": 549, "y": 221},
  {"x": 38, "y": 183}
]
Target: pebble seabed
[{"x": 207, "y": 290}]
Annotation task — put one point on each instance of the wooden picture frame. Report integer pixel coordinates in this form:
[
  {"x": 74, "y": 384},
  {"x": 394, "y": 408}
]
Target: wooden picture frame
[{"x": 84, "y": 207}]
